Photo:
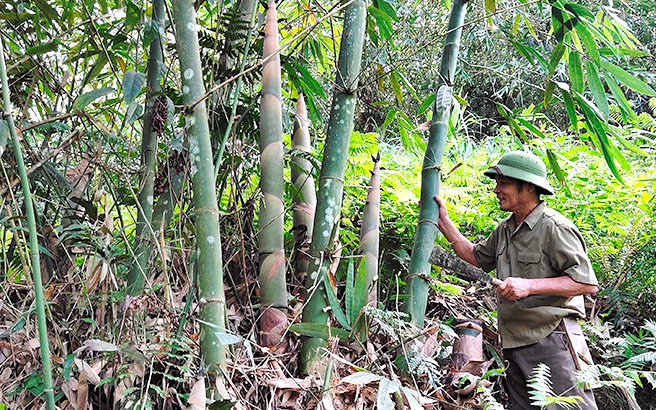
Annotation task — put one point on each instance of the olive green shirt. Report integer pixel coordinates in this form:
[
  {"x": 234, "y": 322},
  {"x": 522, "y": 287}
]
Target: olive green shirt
[{"x": 545, "y": 245}]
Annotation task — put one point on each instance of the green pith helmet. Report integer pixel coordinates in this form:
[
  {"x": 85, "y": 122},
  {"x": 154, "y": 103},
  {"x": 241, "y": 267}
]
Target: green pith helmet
[{"x": 523, "y": 166}]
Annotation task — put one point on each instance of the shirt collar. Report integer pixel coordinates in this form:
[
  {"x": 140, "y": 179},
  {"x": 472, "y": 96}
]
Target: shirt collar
[{"x": 535, "y": 215}]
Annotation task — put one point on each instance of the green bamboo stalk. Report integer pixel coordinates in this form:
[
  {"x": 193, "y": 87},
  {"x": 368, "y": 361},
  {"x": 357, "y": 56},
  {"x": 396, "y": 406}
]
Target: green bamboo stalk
[
  {"x": 273, "y": 283},
  {"x": 370, "y": 233},
  {"x": 420, "y": 268},
  {"x": 34, "y": 239},
  {"x": 208, "y": 237},
  {"x": 144, "y": 232},
  {"x": 331, "y": 181},
  {"x": 247, "y": 8},
  {"x": 304, "y": 195}
]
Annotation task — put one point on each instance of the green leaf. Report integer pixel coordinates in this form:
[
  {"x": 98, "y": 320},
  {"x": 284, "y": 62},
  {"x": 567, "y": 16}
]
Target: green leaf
[
  {"x": 597, "y": 88},
  {"x": 556, "y": 56},
  {"x": 579, "y": 11},
  {"x": 222, "y": 405},
  {"x": 598, "y": 132},
  {"x": 396, "y": 87},
  {"x": 628, "y": 79},
  {"x": 548, "y": 92},
  {"x": 133, "y": 82},
  {"x": 384, "y": 22},
  {"x": 335, "y": 305},
  {"x": 625, "y": 108},
  {"x": 570, "y": 107},
  {"x": 576, "y": 71},
  {"x": 97, "y": 68},
  {"x": 48, "y": 11},
  {"x": 491, "y": 6},
  {"x": 151, "y": 32},
  {"x": 428, "y": 101},
  {"x": 311, "y": 85},
  {"x": 42, "y": 49},
  {"x": 134, "y": 112},
  {"x": 318, "y": 330},
  {"x": 557, "y": 170},
  {"x": 532, "y": 128},
  {"x": 589, "y": 42},
  {"x": 87, "y": 98}
]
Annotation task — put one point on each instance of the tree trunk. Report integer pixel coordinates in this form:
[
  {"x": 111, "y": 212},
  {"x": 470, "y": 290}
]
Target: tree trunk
[
  {"x": 420, "y": 268},
  {"x": 144, "y": 230},
  {"x": 331, "y": 181},
  {"x": 273, "y": 284},
  {"x": 210, "y": 265}
]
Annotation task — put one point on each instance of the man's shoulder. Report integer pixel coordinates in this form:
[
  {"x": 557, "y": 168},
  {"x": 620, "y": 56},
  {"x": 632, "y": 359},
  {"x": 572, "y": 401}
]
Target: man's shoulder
[{"x": 551, "y": 216}]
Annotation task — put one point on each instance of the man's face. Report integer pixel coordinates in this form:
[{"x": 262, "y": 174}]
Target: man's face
[{"x": 510, "y": 193}]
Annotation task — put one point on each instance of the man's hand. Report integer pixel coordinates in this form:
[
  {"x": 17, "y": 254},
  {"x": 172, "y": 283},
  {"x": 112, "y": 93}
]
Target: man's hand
[
  {"x": 518, "y": 288},
  {"x": 515, "y": 288}
]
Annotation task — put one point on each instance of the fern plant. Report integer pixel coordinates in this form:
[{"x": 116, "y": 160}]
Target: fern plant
[{"x": 541, "y": 391}]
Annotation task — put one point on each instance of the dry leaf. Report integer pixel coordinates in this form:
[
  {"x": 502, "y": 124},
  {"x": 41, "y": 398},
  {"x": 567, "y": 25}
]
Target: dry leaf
[{"x": 197, "y": 398}]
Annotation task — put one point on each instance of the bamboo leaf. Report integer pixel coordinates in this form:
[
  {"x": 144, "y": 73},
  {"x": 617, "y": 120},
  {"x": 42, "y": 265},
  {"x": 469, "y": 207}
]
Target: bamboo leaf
[
  {"x": 557, "y": 170},
  {"x": 427, "y": 103},
  {"x": 319, "y": 330},
  {"x": 133, "y": 82},
  {"x": 597, "y": 88},
  {"x": 548, "y": 92},
  {"x": 597, "y": 130},
  {"x": 570, "y": 107},
  {"x": 396, "y": 87},
  {"x": 335, "y": 305},
  {"x": 491, "y": 6},
  {"x": 556, "y": 56},
  {"x": 628, "y": 79},
  {"x": 48, "y": 10},
  {"x": 576, "y": 71},
  {"x": 42, "y": 48},
  {"x": 589, "y": 42},
  {"x": 87, "y": 98},
  {"x": 349, "y": 291},
  {"x": 383, "y": 21},
  {"x": 97, "y": 68},
  {"x": 620, "y": 99}
]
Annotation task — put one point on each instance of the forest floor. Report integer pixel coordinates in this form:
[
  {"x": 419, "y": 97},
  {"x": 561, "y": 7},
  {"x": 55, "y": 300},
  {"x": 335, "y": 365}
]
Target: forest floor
[{"x": 109, "y": 352}]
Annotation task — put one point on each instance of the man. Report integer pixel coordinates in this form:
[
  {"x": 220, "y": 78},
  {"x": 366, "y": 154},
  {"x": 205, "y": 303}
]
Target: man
[{"x": 541, "y": 259}]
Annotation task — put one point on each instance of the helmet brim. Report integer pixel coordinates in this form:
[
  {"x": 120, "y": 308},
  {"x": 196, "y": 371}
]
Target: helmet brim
[{"x": 521, "y": 175}]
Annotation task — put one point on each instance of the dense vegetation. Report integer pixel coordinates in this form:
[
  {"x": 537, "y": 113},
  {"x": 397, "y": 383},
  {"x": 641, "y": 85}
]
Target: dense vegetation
[{"x": 155, "y": 251}]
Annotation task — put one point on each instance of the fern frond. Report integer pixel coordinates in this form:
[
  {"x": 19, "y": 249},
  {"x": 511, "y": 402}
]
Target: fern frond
[
  {"x": 648, "y": 357},
  {"x": 541, "y": 390},
  {"x": 489, "y": 402},
  {"x": 540, "y": 386}
]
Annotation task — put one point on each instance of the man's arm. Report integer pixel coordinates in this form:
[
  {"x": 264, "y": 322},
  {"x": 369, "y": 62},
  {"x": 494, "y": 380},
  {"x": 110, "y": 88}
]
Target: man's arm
[
  {"x": 518, "y": 288},
  {"x": 461, "y": 245}
]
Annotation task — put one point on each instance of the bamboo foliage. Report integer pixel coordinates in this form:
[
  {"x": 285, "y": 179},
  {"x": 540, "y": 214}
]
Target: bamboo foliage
[
  {"x": 370, "y": 232},
  {"x": 331, "y": 181},
  {"x": 420, "y": 268},
  {"x": 144, "y": 231},
  {"x": 304, "y": 195},
  {"x": 208, "y": 240},
  {"x": 273, "y": 319}
]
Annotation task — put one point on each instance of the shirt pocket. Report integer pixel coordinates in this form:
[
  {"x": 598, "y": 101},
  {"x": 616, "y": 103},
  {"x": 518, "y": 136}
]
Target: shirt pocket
[{"x": 529, "y": 264}]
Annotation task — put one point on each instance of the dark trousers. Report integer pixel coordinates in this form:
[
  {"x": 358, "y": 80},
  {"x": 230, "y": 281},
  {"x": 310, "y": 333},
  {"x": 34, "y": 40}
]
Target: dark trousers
[{"x": 554, "y": 352}]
